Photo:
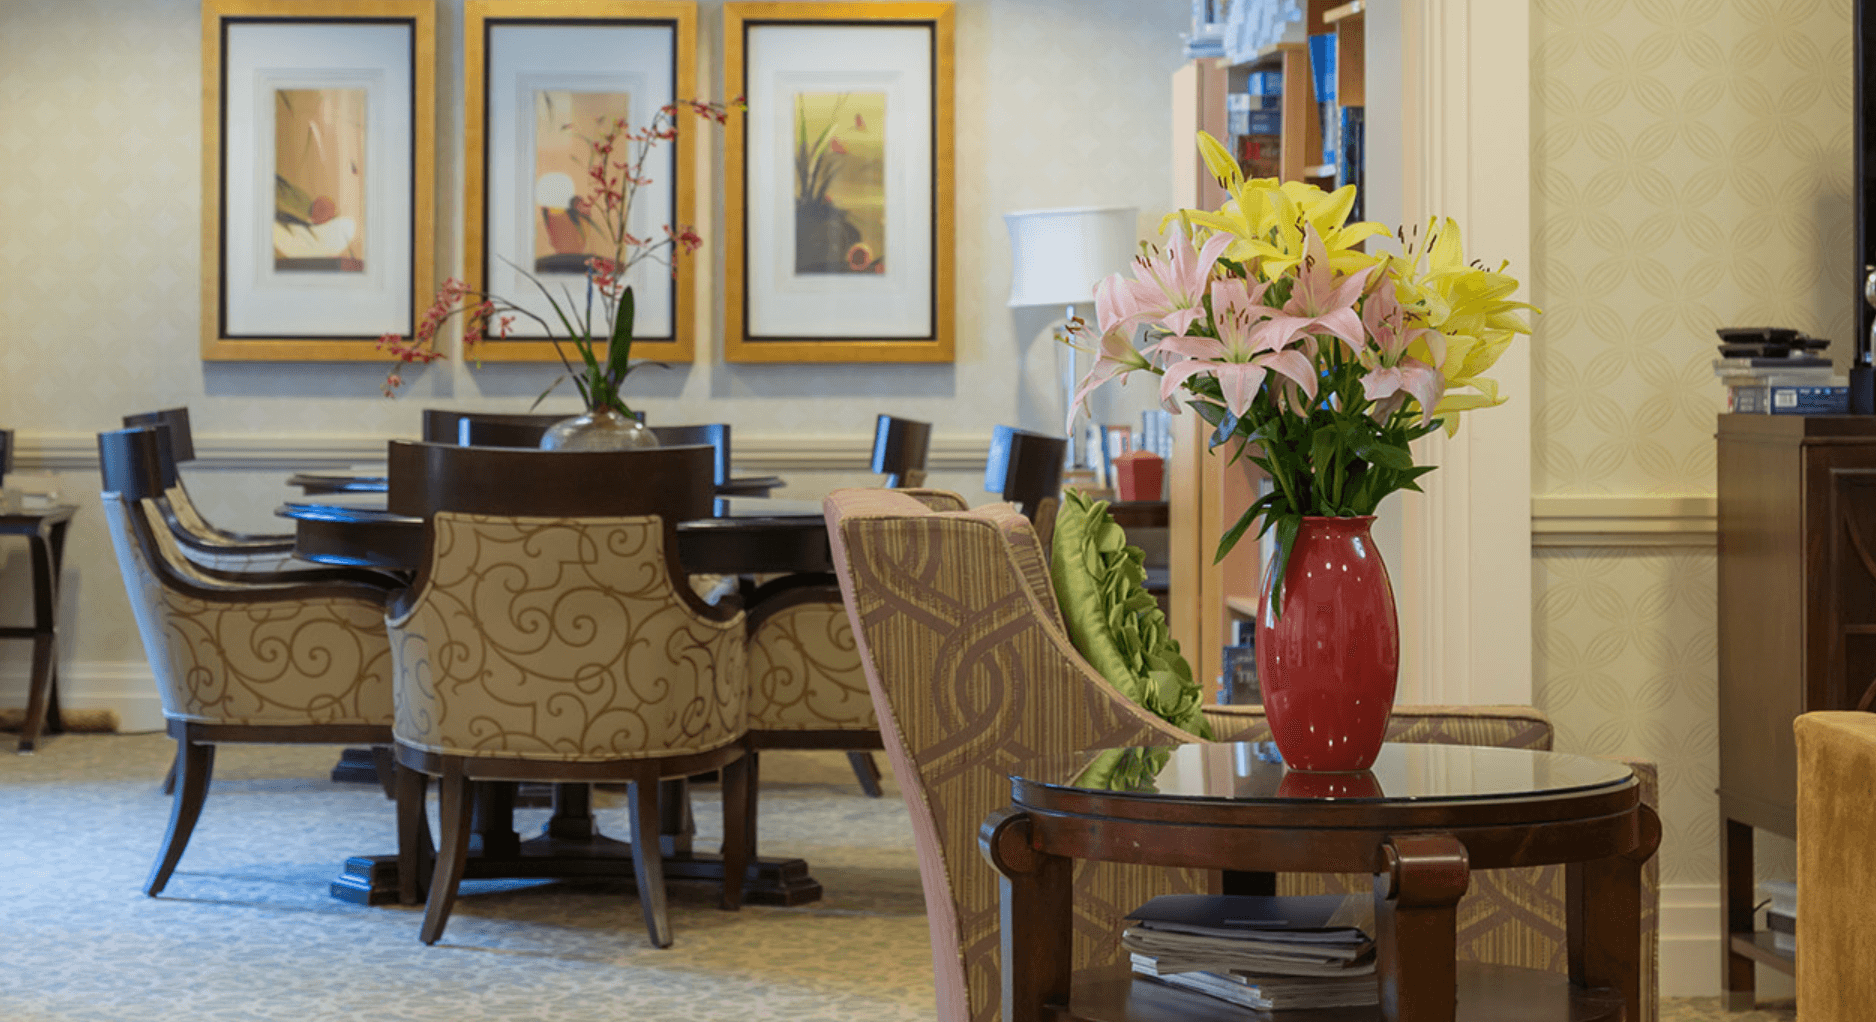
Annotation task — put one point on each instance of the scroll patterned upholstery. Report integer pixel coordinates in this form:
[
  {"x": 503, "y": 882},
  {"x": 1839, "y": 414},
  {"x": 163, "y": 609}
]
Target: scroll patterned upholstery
[
  {"x": 971, "y": 676},
  {"x": 804, "y": 667},
  {"x": 562, "y": 639},
  {"x": 805, "y": 674},
  {"x": 247, "y": 661},
  {"x": 1509, "y": 916}
]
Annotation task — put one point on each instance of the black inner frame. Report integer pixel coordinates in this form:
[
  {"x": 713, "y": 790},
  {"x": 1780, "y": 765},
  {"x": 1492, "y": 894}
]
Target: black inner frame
[
  {"x": 1864, "y": 174},
  {"x": 221, "y": 179},
  {"x": 678, "y": 165},
  {"x": 931, "y": 28}
]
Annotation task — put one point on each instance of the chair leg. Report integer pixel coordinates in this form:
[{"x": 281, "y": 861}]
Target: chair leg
[
  {"x": 648, "y": 856},
  {"x": 452, "y": 850},
  {"x": 169, "y": 779},
  {"x": 416, "y": 858},
  {"x": 196, "y": 762},
  {"x": 867, "y": 771},
  {"x": 384, "y": 760},
  {"x": 735, "y": 822},
  {"x": 752, "y": 769}
]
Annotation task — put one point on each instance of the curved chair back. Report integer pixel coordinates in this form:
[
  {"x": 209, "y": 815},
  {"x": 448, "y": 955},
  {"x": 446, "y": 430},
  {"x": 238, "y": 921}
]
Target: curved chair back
[
  {"x": 181, "y": 436},
  {"x": 714, "y": 434},
  {"x": 135, "y": 462},
  {"x": 495, "y": 433},
  {"x": 899, "y": 450},
  {"x": 1025, "y": 467},
  {"x": 671, "y": 482},
  {"x": 444, "y": 426},
  {"x": 971, "y": 675}
]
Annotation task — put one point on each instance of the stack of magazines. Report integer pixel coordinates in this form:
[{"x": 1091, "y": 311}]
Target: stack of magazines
[{"x": 1267, "y": 953}]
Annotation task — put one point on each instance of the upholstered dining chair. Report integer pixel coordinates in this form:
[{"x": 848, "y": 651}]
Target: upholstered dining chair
[
  {"x": 1026, "y": 469},
  {"x": 284, "y": 658},
  {"x": 972, "y": 673},
  {"x": 807, "y": 689},
  {"x": 203, "y": 542},
  {"x": 551, "y": 635},
  {"x": 900, "y": 448}
]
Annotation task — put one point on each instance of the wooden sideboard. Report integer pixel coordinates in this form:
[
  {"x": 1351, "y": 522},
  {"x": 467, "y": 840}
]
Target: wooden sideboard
[{"x": 1797, "y": 631}]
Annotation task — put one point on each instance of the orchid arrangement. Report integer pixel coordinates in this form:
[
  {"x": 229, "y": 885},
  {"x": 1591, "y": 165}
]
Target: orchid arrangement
[
  {"x": 1316, "y": 360},
  {"x": 598, "y": 325}
]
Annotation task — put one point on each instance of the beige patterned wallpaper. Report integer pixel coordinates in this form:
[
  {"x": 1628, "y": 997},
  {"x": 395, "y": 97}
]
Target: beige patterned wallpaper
[{"x": 1691, "y": 169}]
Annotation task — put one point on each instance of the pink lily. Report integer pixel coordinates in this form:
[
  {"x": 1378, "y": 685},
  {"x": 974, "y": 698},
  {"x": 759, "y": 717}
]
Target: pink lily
[
  {"x": 1392, "y": 375},
  {"x": 1167, "y": 288},
  {"x": 1117, "y": 359},
  {"x": 1241, "y": 355},
  {"x": 1320, "y": 301}
]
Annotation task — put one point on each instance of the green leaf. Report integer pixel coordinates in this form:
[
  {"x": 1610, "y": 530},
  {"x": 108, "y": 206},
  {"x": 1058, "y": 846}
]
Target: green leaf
[
  {"x": 1233, "y": 534},
  {"x": 1386, "y": 455},
  {"x": 619, "y": 353},
  {"x": 1287, "y": 529}
]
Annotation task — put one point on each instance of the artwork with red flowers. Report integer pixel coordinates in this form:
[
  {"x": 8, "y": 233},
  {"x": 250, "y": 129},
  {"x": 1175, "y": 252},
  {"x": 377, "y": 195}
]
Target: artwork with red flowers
[
  {"x": 840, "y": 182},
  {"x": 566, "y": 125}
]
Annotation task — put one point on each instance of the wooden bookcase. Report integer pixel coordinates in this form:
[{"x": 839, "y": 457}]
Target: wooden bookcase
[{"x": 1797, "y": 631}]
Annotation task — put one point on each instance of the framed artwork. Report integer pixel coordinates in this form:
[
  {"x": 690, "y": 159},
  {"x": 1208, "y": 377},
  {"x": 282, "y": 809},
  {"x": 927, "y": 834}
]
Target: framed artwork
[
  {"x": 839, "y": 232},
  {"x": 317, "y": 142},
  {"x": 545, "y": 80}
]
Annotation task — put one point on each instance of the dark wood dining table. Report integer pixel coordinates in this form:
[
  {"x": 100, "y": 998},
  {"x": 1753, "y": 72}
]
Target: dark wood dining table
[
  {"x": 321, "y": 483},
  {"x": 747, "y": 536}
]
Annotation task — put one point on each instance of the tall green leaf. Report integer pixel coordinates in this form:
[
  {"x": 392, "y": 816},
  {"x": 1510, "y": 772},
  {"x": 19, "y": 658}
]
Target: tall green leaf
[{"x": 619, "y": 353}]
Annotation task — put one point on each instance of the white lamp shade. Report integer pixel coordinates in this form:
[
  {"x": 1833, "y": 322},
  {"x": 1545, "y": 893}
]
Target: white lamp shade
[{"x": 1060, "y": 254}]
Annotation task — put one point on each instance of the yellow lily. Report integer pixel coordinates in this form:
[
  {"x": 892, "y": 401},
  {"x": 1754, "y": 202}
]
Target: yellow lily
[{"x": 1265, "y": 218}]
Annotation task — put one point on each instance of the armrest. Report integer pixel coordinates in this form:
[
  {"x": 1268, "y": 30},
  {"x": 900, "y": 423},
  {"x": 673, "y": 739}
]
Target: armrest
[{"x": 1836, "y": 863}]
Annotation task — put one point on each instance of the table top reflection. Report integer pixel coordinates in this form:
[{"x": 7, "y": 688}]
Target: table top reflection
[{"x": 1250, "y": 773}]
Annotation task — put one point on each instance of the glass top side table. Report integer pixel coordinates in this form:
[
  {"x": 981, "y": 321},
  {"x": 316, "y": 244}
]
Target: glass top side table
[{"x": 1420, "y": 821}]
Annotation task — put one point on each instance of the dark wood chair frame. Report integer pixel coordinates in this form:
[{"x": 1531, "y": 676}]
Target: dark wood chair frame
[
  {"x": 132, "y": 469},
  {"x": 676, "y": 484}
]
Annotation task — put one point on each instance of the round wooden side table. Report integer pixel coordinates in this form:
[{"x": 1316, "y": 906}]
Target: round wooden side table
[{"x": 1420, "y": 821}]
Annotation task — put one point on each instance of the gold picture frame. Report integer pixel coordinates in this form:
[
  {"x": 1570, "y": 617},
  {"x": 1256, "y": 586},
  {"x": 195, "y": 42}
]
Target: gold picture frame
[
  {"x": 335, "y": 100},
  {"x": 848, "y": 255},
  {"x": 641, "y": 53}
]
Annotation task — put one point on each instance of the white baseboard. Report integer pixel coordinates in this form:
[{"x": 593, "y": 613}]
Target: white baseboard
[
  {"x": 126, "y": 687},
  {"x": 1690, "y": 946}
]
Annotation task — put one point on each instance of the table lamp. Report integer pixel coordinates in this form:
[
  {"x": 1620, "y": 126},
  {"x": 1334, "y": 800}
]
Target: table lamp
[{"x": 1058, "y": 255}]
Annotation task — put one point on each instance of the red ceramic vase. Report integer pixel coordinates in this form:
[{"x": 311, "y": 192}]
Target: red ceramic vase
[{"x": 1329, "y": 664}]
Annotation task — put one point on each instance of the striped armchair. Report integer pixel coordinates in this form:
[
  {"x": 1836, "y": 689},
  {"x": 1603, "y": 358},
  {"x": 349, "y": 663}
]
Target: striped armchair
[{"x": 971, "y": 673}]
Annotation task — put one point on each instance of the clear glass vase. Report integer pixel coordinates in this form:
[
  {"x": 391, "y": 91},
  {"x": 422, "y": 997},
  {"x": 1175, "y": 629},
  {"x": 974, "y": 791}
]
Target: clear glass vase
[{"x": 603, "y": 430}]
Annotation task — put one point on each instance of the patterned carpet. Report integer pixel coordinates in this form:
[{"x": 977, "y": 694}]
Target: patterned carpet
[{"x": 247, "y": 933}]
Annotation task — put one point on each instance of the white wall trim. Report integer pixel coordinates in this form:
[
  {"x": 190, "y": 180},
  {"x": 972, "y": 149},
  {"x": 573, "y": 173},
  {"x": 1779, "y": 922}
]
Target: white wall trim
[
  {"x": 1624, "y": 520},
  {"x": 288, "y": 452},
  {"x": 1465, "y": 614},
  {"x": 1690, "y": 946}
]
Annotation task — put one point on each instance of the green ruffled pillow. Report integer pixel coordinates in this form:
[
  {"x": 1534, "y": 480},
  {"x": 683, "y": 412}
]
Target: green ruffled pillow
[{"x": 1100, "y": 584}]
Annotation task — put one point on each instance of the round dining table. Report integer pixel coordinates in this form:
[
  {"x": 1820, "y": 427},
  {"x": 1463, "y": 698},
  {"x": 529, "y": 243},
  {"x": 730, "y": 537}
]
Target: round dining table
[{"x": 746, "y": 536}]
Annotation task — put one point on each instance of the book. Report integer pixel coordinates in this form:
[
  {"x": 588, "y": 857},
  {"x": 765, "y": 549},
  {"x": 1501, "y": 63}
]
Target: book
[
  {"x": 1785, "y": 399},
  {"x": 1316, "y": 935},
  {"x": 1779, "y": 922},
  {"x": 1784, "y": 895},
  {"x": 1310, "y": 918},
  {"x": 1272, "y": 993}
]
